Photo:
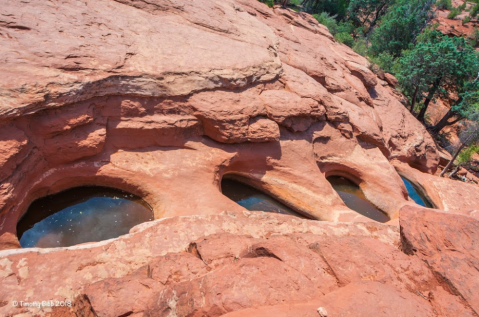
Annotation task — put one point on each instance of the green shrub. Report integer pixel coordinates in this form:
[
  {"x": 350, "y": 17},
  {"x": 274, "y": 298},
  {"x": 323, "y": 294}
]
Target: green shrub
[
  {"x": 400, "y": 26},
  {"x": 474, "y": 11},
  {"x": 360, "y": 46},
  {"x": 473, "y": 39},
  {"x": 384, "y": 60},
  {"x": 467, "y": 19},
  {"x": 444, "y": 4},
  {"x": 454, "y": 13},
  {"x": 269, "y": 3},
  {"x": 466, "y": 155},
  {"x": 345, "y": 38},
  {"x": 330, "y": 22},
  {"x": 346, "y": 27}
]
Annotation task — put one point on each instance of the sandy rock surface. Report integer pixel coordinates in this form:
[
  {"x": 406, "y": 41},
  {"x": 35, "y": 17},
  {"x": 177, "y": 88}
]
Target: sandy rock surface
[
  {"x": 253, "y": 263},
  {"x": 163, "y": 99},
  {"x": 164, "y": 109}
]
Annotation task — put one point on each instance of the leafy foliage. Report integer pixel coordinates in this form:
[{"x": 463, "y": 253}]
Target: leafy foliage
[
  {"x": 341, "y": 31},
  {"x": 345, "y": 38},
  {"x": 269, "y": 3},
  {"x": 444, "y": 4},
  {"x": 465, "y": 156},
  {"x": 366, "y": 13},
  {"x": 438, "y": 65},
  {"x": 473, "y": 38},
  {"x": 360, "y": 46},
  {"x": 454, "y": 13},
  {"x": 336, "y": 8},
  {"x": 400, "y": 26},
  {"x": 474, "y": 11},
  {"x": 330, "y": 22},
  {"x": 385, "y": 61}
]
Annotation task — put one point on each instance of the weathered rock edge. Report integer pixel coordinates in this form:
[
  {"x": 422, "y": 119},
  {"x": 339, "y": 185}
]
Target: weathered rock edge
[{"x": 257, "y": 262}]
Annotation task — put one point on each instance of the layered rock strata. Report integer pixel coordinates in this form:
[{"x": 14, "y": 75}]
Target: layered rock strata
[
  {"x": 164, "y": 109},
  {"x": 163, "y": 99}
]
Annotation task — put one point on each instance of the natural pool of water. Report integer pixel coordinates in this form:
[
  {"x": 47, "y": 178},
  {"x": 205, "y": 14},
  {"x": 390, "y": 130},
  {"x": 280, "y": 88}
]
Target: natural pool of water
[
  {"x": 415, "y": 194},
  {"x": 253, "y": 199},
  {"x": 354, "y": 198},
  {"x": 79, "y": 215}
]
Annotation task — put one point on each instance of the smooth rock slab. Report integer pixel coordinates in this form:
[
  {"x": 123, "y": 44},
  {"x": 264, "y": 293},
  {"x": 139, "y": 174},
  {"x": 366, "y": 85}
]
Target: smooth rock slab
[{"x": 449, "y": 244}]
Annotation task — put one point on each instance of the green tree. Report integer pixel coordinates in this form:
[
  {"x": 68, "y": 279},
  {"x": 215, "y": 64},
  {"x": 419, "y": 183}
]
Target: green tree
[
  {"x": 436, "y": 66},
  {"x": 336, "y": 8},
  {"x": 366, "y": 13},
  {"x": 444, "y": 4},
  {"x": 330, "y": 22},
  {"x": 400, "y": 26},
  {"x": 464, "y": 107},
  {"x": 468, "y": 140}
]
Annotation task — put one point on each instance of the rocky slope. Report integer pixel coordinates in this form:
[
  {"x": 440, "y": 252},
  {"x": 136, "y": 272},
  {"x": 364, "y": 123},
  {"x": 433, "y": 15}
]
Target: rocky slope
[
  {"x": 258, "y": 264},
  {"x": 162, "y": 99}
]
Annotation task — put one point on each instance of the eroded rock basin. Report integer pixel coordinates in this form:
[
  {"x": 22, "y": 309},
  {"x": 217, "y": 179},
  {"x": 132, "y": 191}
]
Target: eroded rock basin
[
  {"x": 80, "y": 215},
  {"x": 354, "y": 198},
  {"x": 415, "y": 194},
  {"x": 253, "y": 199}
]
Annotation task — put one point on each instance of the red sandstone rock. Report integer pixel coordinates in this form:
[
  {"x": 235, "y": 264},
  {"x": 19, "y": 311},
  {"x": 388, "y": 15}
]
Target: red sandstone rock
[
  {"x": 363, "y": 73},
  {"x": 448, "y": 244},
  {"x": 357, "y": 299},
  {"x": 102, "y": 108},
  {"x": 290, "y": 110},
  {"x": 444, "y": 193},
  {"x": 231, "y": 243},
  {"x": 248, "y": 263},
  {"x": 261, "y": 129},
  {"x": 374, "y": 299},
  {"x": 79, "y": 143},
  {"x": 9, "y": 241},
  {"x": 391, "y": 79},
  {"x": 13, "y": 149},
  {"x": 258, "y": 94}
]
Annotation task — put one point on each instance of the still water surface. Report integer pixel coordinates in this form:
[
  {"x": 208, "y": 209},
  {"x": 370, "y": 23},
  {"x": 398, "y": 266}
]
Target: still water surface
[
  {"x": 79, "y": 215},
  {"x": 354, "y": 198},
  {"x": 253, "y": 199},
  {"x": 415, "y": 194}
]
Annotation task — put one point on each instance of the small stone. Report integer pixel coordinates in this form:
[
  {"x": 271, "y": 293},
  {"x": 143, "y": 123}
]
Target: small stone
[{"x": 322, "y": 312}]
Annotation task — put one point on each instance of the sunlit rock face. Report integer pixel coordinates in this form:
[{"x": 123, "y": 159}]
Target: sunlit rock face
[
  {"x": 264, "y": 94},
  {"x": 163, "y": 100}
]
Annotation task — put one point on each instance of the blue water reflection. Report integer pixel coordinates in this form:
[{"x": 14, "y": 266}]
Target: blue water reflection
[
  {"x": 415, "y": 195},
  {"x": 81, "y": 215}
]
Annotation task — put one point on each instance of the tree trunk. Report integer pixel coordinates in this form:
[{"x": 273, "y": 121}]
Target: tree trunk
[
  {"x": 432, "y": 92},
  {"x": 443, "y": 122},
  {"x": 376, "y": 18},
  {"x": 454, "y": 171},
  {"x": 413, "y": 100},
  {"x": 452, "y": 160}
]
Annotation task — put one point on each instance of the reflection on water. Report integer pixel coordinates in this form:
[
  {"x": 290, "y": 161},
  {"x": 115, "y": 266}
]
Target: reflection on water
[
  {"x": 415, "y": 194},
  {"x": 79, "y": 215},
  {"x": 253, "y": 199},
  {"x": 354, "y": 198}
]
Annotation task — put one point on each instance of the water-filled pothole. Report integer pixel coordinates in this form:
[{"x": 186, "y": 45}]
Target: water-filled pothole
[
  {"x": 79, "y": 215},
  {"x": 253, "y": 199},
  {"x": 416, "y": 194},
  {"x": 354, "y": 198}
]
